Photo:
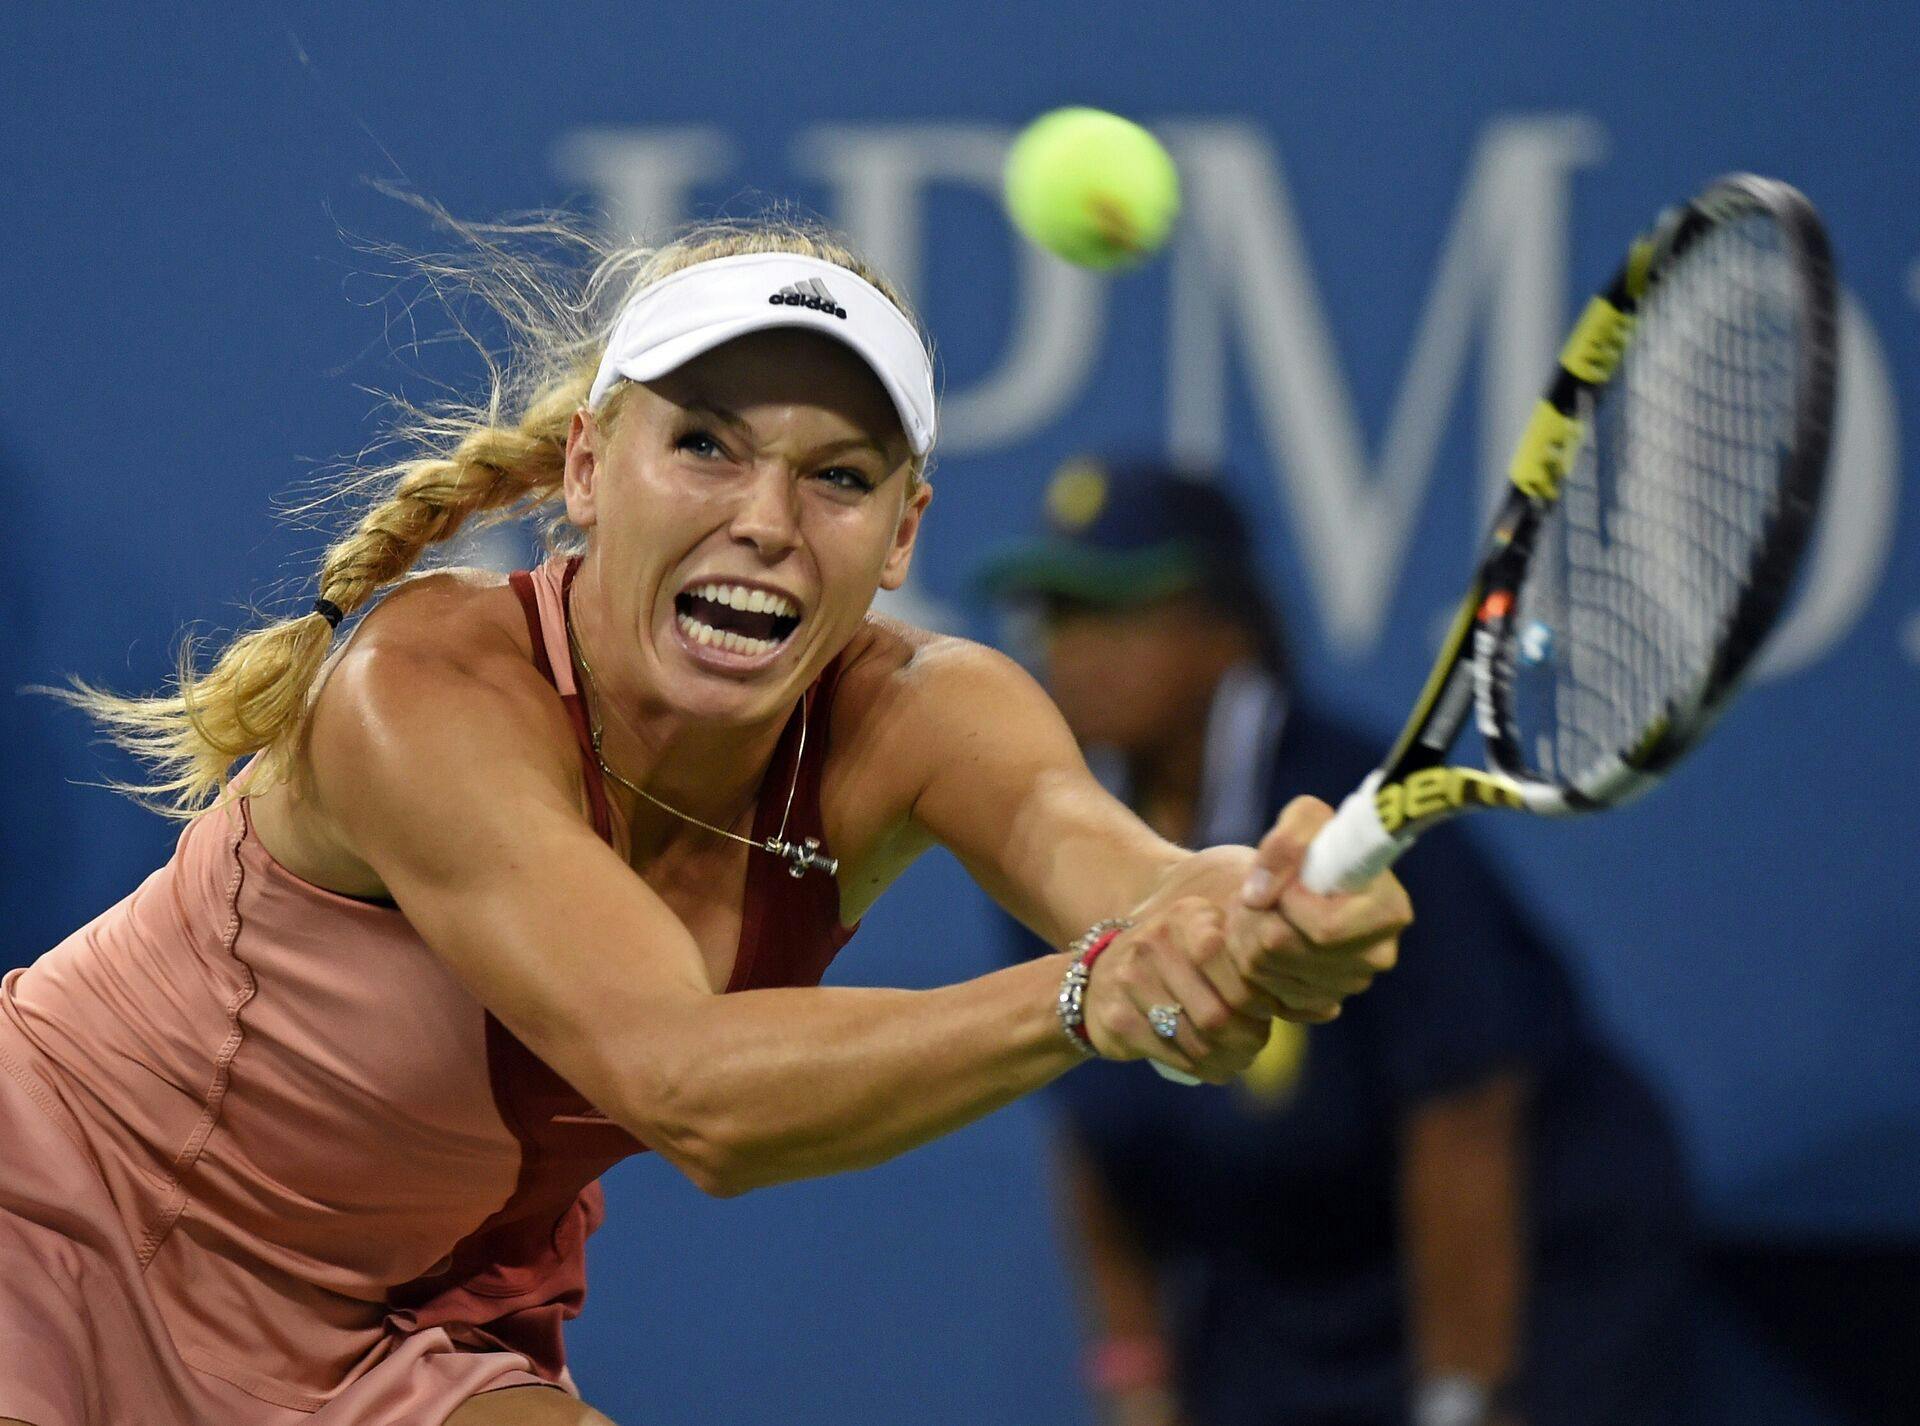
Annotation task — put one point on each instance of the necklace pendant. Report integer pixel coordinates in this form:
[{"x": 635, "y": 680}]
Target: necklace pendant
[{"x": 803, "y": 858}]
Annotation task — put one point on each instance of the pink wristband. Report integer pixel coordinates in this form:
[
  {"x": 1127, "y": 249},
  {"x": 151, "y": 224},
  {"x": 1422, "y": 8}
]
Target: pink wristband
[
  {"x": 1087, "y": 958},
  {"x": 1073, "y": 986},
  {"x": 1092, "y": 952}
]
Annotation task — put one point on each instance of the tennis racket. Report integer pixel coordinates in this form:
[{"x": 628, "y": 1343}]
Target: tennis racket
[
  {"x": 1661, "y": 499},
  {"x": 1662, "y": 495}
]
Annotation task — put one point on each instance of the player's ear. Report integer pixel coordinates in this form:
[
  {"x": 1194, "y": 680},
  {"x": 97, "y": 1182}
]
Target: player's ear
[
  {"x": 580, "y": 475},
  {"x": 893, "y": 573}
]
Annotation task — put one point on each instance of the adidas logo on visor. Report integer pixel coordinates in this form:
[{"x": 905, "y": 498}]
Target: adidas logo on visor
[{"x": 811, "y": 293}]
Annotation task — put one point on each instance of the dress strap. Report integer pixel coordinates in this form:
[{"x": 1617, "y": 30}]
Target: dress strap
[
  {"x": 542, "y": 593},
  {"x": 790, "y": 926}
]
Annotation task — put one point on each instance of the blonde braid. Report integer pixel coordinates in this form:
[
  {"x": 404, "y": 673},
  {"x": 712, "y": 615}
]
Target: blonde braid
[
  {"x": 492, "y": 470},
  {"x": 254, "y": 698}
]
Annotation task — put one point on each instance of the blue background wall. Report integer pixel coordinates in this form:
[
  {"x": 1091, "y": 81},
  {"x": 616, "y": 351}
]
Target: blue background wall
[{"x": 1390, "y": 215}]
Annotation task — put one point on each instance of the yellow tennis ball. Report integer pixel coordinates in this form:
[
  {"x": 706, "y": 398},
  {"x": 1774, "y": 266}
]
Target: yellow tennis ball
[{"x": 1095, "y": 188}]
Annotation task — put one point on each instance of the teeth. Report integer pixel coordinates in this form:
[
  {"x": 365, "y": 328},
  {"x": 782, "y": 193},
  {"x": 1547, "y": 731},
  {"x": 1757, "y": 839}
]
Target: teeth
[
  {"x": 724, "y": 638},
  {"x": 754, "y": 601}
]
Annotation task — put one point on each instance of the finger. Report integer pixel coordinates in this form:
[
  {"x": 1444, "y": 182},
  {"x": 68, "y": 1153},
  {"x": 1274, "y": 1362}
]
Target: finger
[
  {"x": 1276, "y": 957},
  {"x": 1233, "y": 1023},
  {"x": 1162, "y": 976},
  {"x": 1155, "y": 995},
  {"x": 1248, "y": 933},
  {"x": 1278, "y": 857},
  {"x": 1237, "y": 990},
  {"x": 1131, "y": 982},
  {"x": 1224, "y": 1033},
  {"x": 1381, "y": 908},
  {"x": 1176, "y": 1054},
  {"x": 1382, "y": 956},
  {"x": 1340, "y": 972},
  {"x": 1357, "y": 961},
  {"x": 1119, "y": 1031},
  {"x": 1300, "y": 991}
]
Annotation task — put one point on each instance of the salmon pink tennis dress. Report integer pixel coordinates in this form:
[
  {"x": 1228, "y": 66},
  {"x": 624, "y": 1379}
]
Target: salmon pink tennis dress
[{"x": 264, "y": 1160}]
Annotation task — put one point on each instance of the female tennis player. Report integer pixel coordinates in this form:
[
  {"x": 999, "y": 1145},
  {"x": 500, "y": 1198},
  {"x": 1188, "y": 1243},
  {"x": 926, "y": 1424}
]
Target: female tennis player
[{"x": 308, "y": 1127}]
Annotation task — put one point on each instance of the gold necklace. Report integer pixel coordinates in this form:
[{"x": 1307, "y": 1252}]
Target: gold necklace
[{"x": 802, "y": 858}]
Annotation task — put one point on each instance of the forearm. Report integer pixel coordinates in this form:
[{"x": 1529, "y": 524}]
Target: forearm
[
  {"x": 1463, "y": 1215},
  {"x": 766, "y": 1086},
  {"x": 1085, "y": 882},
  {"x": 1071, "y": 857}
]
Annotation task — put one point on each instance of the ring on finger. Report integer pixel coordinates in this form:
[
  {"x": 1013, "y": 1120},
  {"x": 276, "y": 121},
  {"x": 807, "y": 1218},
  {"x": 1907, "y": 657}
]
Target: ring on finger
[{"x": 1165, "y": 1020}]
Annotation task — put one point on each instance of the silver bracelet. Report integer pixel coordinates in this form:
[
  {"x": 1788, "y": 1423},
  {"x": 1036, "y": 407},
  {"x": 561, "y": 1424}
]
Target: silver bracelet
[{"x": 1071, "y": 1006}]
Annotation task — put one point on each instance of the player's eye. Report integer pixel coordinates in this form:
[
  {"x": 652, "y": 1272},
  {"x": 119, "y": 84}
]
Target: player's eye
[
  {"x": 700, "y": 443},
  {"x": 845, "y": 477}
]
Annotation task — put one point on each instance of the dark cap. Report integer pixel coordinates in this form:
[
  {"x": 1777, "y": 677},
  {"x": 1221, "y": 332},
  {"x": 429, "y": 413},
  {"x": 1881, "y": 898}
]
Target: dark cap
[{"x": 1123, "y": 533}]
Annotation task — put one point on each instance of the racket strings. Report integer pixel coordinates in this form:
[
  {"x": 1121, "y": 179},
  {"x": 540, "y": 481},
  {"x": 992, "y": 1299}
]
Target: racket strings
[{"x": 1660, "y": 524}]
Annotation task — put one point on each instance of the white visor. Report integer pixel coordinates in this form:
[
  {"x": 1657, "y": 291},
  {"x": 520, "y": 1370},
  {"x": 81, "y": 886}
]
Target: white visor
[{"x": 673, "y": 321}]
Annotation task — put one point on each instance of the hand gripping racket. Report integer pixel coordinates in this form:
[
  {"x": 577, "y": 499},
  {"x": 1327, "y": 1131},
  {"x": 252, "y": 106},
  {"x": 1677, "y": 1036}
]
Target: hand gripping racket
[{"x": 1662, "y": 496}]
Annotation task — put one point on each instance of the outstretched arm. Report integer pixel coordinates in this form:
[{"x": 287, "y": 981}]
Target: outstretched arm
[{"x": 1013, "y": 799}]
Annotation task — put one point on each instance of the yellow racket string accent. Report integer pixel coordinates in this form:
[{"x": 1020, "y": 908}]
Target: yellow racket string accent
[
  {"x": 1545, "y": 453},
  {"x": 1639, "y": 266},
  {"x": 1593, "y": 348},
  {"x": 1276, "y": 1069},
  {"x": 1649, "y": 740},
  {"x": 1443, "y": 667}
]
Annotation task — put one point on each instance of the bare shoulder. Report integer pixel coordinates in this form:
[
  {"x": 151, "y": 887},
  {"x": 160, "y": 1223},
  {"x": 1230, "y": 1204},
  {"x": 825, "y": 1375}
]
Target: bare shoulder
[
  {"x": 912, "y": 701},
  {"x": 454, "y": 612},
  {"x": 445, "y": 664},
  {"x": 960, "y": 746},
  {"x": 434, "y": 700},
  {"x": 903, "y": 684},
  {"x": 892, "y": 669}
]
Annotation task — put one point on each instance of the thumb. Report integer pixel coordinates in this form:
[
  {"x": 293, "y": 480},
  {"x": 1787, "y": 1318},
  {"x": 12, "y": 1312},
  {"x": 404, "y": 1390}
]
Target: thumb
[{"x": 1278, "y": 857}]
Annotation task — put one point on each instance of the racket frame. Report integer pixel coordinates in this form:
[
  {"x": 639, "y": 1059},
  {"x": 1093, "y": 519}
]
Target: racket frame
[{"x": 1414, "y": 788}]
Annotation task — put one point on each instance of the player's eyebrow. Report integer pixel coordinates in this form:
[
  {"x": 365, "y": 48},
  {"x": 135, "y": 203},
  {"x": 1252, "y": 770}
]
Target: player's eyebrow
[
  {"x": 699, "y": 404},
  {"x": 849, "y": 443}
]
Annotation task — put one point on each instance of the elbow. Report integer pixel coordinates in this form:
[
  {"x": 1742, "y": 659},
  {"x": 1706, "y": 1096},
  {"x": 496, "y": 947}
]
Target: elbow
[
  {"x": 712, "y": 1180},
  {"x": 673, "y": 1119},
  {"x": 692, "y": 1146},
  {"x": 716, "y": 1174},
  {"x": 705, "y": 1123},
  {"x": 703, "y": 1158}
]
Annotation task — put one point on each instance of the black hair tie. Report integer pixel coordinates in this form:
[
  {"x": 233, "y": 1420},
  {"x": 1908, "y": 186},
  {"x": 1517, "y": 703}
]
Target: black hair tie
[{"x": 329, "y": 611}]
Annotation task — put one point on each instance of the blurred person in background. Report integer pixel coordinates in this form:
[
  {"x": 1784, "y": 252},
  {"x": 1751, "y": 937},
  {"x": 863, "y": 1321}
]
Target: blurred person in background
[{"x": 1452, "y": 1206}]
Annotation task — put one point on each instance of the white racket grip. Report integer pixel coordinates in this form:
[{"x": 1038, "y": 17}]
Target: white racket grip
[
  {"x": 1350, "y": 851},
  {"x": 1353, "y": 848}
]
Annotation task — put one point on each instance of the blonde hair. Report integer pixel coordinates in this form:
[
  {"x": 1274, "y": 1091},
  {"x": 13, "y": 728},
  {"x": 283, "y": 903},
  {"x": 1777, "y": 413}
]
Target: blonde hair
[{"x": 463, "y": 466}]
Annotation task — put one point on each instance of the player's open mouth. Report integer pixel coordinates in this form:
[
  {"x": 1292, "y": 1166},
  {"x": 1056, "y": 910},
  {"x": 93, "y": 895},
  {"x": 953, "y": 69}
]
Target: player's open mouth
[{"x": 740, "y": 619}]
